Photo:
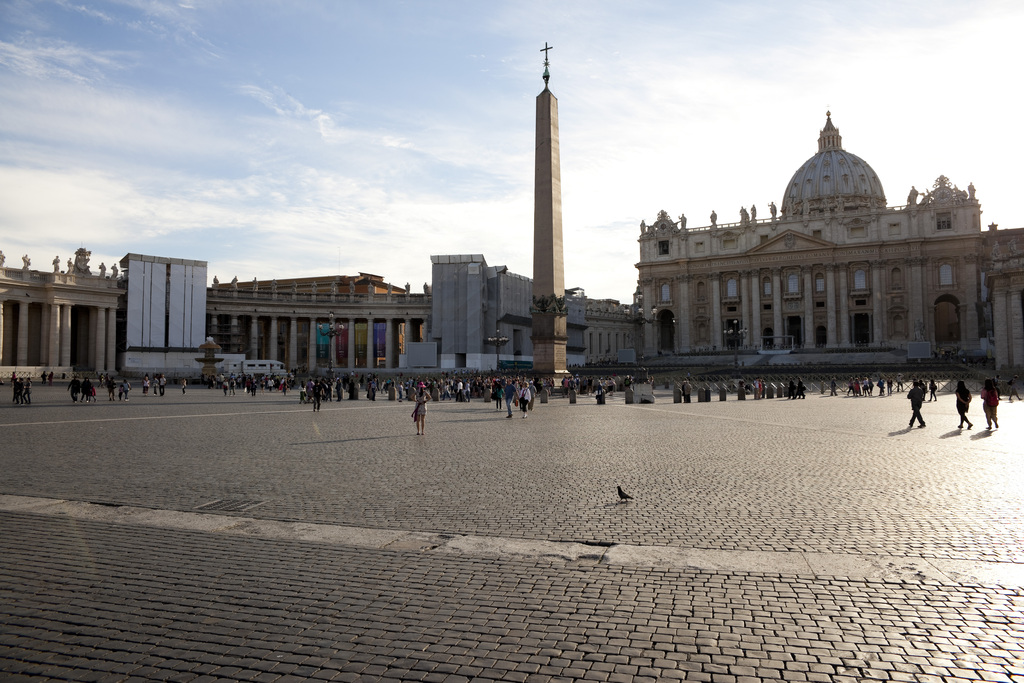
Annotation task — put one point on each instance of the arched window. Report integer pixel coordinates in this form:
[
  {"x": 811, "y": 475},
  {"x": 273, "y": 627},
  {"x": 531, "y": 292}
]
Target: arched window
[
  {"x": 945, "y": 275},
  {"x": 819, "y": 283},
  {"x": 793, "y": 283},
  {"x": 730, "y": 287},
  {"x": 766, "y": 287},
  {"x": 896, "y": 279},
  {"x": 702, "y": 290},
  {"x": 665, "y": 293},
  {"x": 860, "y": 279}
]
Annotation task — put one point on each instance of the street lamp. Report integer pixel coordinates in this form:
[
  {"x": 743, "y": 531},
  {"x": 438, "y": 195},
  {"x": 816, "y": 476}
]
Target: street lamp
[
  {"x": 498, "y": 340},
  {"x": 734, "y": 335},
  {"x": 330, "y": 331},
  {"x": 642, "y": 321}
]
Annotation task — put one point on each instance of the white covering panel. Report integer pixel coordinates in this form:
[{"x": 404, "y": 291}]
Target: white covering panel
[
  {"x": 176, "y": 303},
  {"x": 136, "y": 292},
  {"x": 197, "y": 333},
  {"x": 157, "y": 303}
]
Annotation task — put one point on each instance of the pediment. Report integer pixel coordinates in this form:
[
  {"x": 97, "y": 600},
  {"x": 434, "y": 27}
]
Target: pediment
[{"x": 790, "y": 241}]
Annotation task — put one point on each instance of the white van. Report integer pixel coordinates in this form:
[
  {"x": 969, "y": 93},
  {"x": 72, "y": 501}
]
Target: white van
[{"x": 263, "y": 367}]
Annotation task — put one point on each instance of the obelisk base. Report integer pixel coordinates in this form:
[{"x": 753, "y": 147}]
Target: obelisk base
[{"x": 549, "y": 338}]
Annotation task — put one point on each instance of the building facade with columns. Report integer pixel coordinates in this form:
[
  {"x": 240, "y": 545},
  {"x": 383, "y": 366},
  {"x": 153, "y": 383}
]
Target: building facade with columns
[
  {"x": 835, "y": 267},
  {"x": 1004, "y": 278},
  {"x": 290, "y": 321},
  {"x": 58, "y": 320}
]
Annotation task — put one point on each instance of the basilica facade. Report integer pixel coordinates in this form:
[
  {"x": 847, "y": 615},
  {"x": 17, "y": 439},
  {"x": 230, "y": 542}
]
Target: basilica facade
[{"x": 836, "y": 266}]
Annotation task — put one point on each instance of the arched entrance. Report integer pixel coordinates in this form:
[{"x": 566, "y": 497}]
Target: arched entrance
[
  {"x": 947, "y": 320},
  {"x": 794, "y": 329},
  {"x": 767, "y": 340},
  {"x": 861, "y": 328},
  {"x": 820, "y": 336},
  {"x": 666, "y": 332}
]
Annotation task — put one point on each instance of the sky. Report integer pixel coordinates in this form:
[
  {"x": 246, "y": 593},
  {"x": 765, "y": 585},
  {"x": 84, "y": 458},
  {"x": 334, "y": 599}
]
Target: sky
[{"x": 316, "y": 138}]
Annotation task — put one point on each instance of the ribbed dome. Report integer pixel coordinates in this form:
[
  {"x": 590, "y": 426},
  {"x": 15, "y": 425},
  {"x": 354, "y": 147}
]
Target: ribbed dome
[{"x": 832, "y": 178}]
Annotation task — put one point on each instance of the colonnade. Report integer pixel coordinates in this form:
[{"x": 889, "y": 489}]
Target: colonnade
[
  {"x": 297, "y": 340},
  {"x": 34, "y": 333}
]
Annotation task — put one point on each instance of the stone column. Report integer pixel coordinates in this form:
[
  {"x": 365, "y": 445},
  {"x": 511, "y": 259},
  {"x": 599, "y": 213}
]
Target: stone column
[
  {"x": 65, "y": 335},
  {"x": 745, "y": 301},
  {"x": 293, "y": 343},
  {"x": 232, "y": 345},
  {"x": 351, "y": 332},
  {"x": 1002, "y": 322},
  {"x": 22, "y": 333},
  {"x": 272, "y": 342},
  {"x": 808, "y": 307},
  {"x": 683, "y": 318},
  {"x": 254, "y": 338},
  {"x": 389, "y": 342},
  {"x": 111, "y": 339},
  {"x": 407, "y": 336},
  {"x": 877, "y": 307},
  {"x": 311, "y": 345},
  {"x": 716, "y": 312},
  {"x": 91, "y": 353},
  {"x": 369, "y": 344},
  {"x": 1, "y": 331},
  {"x": 777, "y": 300},
  {"x": 830, "y": 303},
  {"x": 969, "y": 334},
  {"x": 1015, "y": 338},
  {"x": 53, "y": 356},
  {"x": 844, "y": 306},
  {"x": 753, "y": 290},
  {"x": 100, "y": 351},
  {"x": 916, "y": 293}
]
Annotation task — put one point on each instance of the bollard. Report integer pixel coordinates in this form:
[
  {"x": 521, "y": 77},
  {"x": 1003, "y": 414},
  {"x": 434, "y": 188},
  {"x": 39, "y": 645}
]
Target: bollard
[
  {"x": 543, "y": 395},
  {"x": 392, "y": 393},
  {"x": 435, "y": 394},
  {"x": 722, "y": 394},
  {"x": 741, "y": 393},
  {"x": 770, "y": 391},
  {"x": 677, "y": 394},
  {"x": 629, "y": 395},
  {"x": 572, "y": 396}
]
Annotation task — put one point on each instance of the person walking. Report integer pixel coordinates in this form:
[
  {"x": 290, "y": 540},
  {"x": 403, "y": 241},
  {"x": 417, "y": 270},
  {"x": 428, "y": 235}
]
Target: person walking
[
  {"x": 990, "y": 403},
  {"x": 963, "y": 403},
  {"x": 419, "y": 413},
  {"x": 510, "y": 395},
  {"x": 932, "y": 388},
  {"x": 1013, "y": 388},
  {"x": 916, "y": 396},
  {"x": 525, "y": 396}
]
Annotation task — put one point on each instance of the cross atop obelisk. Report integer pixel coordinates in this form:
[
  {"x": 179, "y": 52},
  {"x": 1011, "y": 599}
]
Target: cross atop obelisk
[{"x": 549, "y": 308}]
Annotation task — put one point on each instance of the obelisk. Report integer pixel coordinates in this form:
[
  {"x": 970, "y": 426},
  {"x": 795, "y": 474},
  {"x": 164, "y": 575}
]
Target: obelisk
[{"x": 549, "y": 308}]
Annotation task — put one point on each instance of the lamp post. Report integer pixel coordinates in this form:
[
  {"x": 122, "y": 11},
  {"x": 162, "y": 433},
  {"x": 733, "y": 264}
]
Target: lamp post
[
  {"x": 498, "y": 340},
  {"x": 642, "y": 321},
  {"x": 330, "y": 331},
  {"x": 734, "y": 335}
]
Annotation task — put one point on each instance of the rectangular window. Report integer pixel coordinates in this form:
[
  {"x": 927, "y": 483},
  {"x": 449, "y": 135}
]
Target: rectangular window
[
  {"x": 858, "y": 231},
  {"x": 698, "y": 247},
  {"x": 816, "y": 233},
  {"x": 944, "y": 221},
  {"x": 894, "y": 228},
  {"x": 729, "y": 243},
  {"x": 767, "y": 307},
  {"x": 819, "y": 284},
  {"x": 819, "y": 304},
  {"x": 663, "y": 248}
]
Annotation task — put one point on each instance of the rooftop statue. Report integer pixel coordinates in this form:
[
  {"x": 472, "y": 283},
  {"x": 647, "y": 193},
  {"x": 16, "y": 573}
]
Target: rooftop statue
[
  {"x": 215, "y": 281},
  {"x": 753, "y": 212},
  {"x": 912, "y": 197},
  {"x": 82, "y": 256},
  {"x": 774, "y": 211},
  {"x": 103, "y": 269},
  {"x": 26, "y": 262},
  {"x": 113, "y": 272},
  {"x": 682, "y": 221},
  {"x": 714, "y": 218},
  {"x": 56, "y": 264},
  {"x": 3, "y": 259}
]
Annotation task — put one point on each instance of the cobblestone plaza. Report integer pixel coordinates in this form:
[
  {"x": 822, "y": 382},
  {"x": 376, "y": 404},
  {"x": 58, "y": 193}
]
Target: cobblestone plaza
[{"x": 203, "y": 537}]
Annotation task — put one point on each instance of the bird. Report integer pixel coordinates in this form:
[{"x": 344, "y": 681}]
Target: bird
[{"x": 623, "y": 496}]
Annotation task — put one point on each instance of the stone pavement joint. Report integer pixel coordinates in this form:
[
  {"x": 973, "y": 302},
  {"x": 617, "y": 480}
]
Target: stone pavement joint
[{"x": 817, "y": 565}]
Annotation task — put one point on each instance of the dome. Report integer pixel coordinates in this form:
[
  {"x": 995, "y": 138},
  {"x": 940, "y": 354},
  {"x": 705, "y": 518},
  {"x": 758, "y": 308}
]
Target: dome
[{"x": 832, "y": 178}]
